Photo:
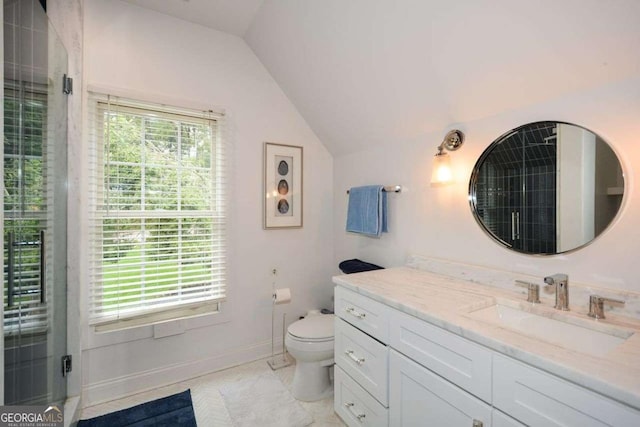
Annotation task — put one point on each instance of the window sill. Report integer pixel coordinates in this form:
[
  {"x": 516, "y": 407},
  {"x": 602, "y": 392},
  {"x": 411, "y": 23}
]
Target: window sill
[
  {"x": 119, "y": 332},
  {"x": 158, "y": 317}
]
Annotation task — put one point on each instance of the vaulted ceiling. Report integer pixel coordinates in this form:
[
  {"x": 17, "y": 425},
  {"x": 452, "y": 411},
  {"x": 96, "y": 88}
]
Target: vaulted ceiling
[
  {"x": 374, "y": 72},
  {"x": 230, "y": 16}
]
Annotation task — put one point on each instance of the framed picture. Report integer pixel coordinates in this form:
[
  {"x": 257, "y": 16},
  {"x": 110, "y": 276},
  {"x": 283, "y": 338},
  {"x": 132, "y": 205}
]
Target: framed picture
[{"x": 282, "y": 186}]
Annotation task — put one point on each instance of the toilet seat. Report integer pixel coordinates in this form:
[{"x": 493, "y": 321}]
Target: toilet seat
[
  {"x": 318, "y": 328},
  {"x": 309, "y": 340}
]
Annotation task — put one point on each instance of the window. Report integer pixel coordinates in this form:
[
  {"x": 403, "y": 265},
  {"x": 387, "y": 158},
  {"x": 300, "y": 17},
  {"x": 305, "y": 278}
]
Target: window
[
  {"x": 157, "y": 226},
  {"x": 28, "y": 195}
]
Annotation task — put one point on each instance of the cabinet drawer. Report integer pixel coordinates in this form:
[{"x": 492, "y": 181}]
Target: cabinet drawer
[
  {"x": 537, "y": 398},
  {"x": 363, "y": 312},
  {"x": 460, "y": 361},
  {"x": 363, "y": 358},
  {"x": 418, "y": 397},
  {"x": 354, "y": 405}
]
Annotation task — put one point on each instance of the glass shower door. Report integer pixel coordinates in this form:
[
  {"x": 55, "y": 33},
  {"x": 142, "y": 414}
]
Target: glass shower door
[{"x": 34, "y": 223}]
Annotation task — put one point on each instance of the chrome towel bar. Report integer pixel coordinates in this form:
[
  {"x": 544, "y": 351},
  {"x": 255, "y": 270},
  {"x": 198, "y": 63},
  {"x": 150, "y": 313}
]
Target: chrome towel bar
[{"x": 390, "y": 189}]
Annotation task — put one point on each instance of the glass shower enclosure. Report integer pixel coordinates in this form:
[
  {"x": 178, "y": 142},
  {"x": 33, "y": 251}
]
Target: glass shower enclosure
[{"x": 35, "y": 207}]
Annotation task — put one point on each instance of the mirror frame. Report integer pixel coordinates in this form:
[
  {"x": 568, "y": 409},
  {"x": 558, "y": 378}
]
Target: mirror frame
[{"x": 473, "y": 180}]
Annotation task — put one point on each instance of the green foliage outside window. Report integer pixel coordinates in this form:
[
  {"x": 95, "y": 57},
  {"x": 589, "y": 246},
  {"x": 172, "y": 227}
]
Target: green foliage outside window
[{"x": 154, "y": 166}]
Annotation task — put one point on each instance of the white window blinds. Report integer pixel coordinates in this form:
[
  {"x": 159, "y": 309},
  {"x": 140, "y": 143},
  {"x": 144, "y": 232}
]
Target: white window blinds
[
  {"x": 157, "y": 209},
  {"x": 28, "y": 197}
]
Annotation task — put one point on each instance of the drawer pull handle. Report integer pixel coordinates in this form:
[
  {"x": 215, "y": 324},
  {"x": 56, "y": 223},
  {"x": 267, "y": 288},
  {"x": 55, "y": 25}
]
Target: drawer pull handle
[
  {"x": 358, "y": 360},
  {"x": 354, "y": 313},
  {"x": 477, "y": 423},
  {"x": 360, "y": 417}
]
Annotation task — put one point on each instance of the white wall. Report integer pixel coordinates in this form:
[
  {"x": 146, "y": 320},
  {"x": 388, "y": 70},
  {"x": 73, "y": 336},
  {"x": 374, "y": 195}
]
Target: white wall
[
  {"x": 152, "y": 55},
  {"x": 437, "y": 221}
]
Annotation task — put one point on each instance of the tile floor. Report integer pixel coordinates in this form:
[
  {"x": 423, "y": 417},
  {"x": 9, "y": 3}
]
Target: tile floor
[{"x": 208, "y": 403}]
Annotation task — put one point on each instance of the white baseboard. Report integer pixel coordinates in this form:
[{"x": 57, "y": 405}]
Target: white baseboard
[
  {"x": 71, "y": 411},
  {"x": 120, "y": 387}
]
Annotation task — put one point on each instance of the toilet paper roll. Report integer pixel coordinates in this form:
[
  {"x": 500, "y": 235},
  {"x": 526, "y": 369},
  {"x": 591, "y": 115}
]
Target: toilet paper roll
[{"x": 282, "y": 296}]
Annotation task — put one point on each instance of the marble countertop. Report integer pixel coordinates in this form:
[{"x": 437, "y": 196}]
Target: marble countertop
[{"x": 447, "y": 301}]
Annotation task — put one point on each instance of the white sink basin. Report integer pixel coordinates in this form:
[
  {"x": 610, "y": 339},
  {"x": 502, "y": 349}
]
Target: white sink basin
[{"x": 552, "y": 326}]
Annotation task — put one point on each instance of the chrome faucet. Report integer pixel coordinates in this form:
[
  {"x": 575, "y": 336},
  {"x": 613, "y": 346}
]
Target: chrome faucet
[
  {"x": 533, "y": 291},
  {"x": 596, "y": 305},
  {"x": 561, "y": 282}
]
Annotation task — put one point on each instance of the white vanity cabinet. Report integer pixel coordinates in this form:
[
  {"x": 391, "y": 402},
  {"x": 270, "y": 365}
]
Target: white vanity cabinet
[
  {"x": 361, "y": 383},
  {"x": 399, "y": 370},
  {"x": 466, "y": 364},
  {"x": 418, "y": 397},
  {"x": 537, "y": 398}
]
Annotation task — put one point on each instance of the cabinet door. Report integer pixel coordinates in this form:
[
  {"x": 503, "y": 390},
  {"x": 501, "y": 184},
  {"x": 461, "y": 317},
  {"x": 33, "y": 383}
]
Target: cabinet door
[
  {"x": 537, "y": 398},
  {"x": 466, "y": 364},
  {"x": 418, "y": 397}
]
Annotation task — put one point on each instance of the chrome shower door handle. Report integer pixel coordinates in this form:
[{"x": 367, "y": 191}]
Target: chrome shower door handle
[
  {"x": 10, "y": 272},
  {"x": 515, "y": 225},
  {"x": 43, "y": 264}
]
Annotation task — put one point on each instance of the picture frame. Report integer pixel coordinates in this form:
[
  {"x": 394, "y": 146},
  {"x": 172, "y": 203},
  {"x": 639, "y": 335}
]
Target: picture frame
[{"x": 283, "y": 191}]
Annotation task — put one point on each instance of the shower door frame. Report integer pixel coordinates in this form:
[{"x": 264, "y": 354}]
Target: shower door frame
[{"x": 53, "y": 156}]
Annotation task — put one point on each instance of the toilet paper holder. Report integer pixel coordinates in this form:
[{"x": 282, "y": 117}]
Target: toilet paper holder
[{"x": 279, "y": 296}]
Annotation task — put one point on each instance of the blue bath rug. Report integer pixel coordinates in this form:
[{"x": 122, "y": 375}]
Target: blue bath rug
[{"x": 171, "y": 411}]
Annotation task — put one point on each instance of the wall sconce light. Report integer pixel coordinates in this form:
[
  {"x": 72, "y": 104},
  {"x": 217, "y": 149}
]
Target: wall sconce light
[{"x": 442, "y": 172}]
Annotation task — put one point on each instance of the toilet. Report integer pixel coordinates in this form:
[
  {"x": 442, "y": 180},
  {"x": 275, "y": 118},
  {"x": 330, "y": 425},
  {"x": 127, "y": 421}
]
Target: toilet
[{"x": 310, "y": 342}]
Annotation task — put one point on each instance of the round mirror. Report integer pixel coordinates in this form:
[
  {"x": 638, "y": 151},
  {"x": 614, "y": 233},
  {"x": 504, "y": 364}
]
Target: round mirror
[{"x": 546, "y": 188}]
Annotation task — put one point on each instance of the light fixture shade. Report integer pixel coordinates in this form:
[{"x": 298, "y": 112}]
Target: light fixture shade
[{"x": 442, "y": 172}]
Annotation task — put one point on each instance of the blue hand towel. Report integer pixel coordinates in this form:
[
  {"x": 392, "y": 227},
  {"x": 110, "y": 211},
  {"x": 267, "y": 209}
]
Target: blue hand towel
[{"x": 367, "y": 212}]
